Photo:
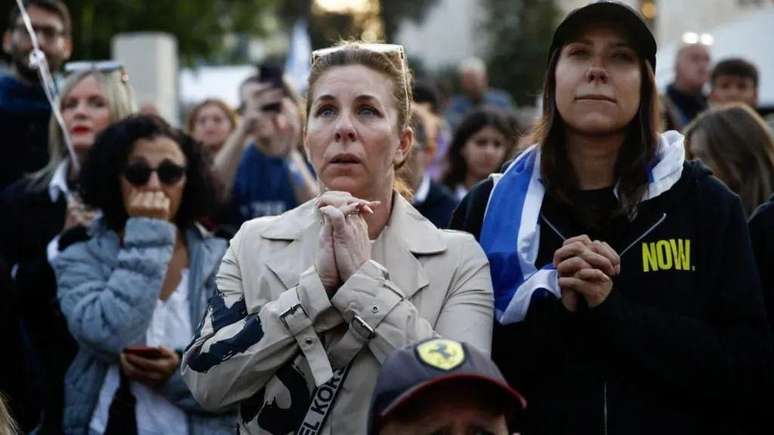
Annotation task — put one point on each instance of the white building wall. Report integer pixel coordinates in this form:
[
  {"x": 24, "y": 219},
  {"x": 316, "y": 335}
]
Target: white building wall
[
  {"x": 676, "y": 17},
  {"x": 448, "y": 34},
  {"x": 150, "y": 58}
]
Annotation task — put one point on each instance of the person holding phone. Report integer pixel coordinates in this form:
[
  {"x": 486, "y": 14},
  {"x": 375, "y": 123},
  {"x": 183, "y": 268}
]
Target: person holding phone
[
  {"x": 133, "y": 292},
  {"x": 261, "y": 165}
]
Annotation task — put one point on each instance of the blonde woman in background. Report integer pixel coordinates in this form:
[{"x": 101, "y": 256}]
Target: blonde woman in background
[
  {"x": 42, "y": 205},
  {"x": 734, "y": 142},
  {"x": 7, "y": 424},
  {"x": 211, "y": 122}
]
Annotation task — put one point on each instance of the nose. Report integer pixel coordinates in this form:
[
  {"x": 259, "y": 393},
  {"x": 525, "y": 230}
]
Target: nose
[
  {"x": 153, "y": 181},
  {"x": 345, "y": 131},
  {"x": 597, "y": 70}
]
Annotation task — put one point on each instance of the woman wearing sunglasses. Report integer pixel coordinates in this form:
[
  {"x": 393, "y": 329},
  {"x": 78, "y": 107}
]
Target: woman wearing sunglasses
[
  {"x": 626, "y": 292},
  {"x": 311, "y": 302},
  {"x": 133, "y": 293},
  {"x": 37, "y": 208}
]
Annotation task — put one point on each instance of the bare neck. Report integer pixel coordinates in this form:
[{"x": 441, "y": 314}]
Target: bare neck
[
  {"x": 377, "y": 221},
  {"x": 593, "y": 158}
]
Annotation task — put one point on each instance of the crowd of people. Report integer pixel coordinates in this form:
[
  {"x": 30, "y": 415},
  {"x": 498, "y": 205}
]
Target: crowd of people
[{"x": 372, "y": 257}]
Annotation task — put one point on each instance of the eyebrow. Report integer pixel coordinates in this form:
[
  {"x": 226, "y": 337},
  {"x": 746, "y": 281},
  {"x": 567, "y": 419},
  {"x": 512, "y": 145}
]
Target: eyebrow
[
  {"x": 618, "y": 43},
  {"x": 362, "y": 97}
]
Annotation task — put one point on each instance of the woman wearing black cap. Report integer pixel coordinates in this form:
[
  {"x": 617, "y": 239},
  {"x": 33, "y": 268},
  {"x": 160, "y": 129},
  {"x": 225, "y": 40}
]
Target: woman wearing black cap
[{"x": 625, "y": 289}]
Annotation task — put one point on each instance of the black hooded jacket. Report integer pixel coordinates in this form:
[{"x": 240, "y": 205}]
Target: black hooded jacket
[{"x": 680, "y": 346}]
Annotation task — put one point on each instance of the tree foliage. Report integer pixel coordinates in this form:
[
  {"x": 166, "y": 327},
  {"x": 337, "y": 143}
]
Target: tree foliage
[
  {"x": 329, "y": 28},
  {"x": 199, "y": 25},
  {"x": 519, "y": 34}
]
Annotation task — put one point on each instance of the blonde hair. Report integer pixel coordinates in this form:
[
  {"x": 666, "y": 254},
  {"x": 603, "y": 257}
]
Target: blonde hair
[
  {"x": 120, "y": 99},
  {"x": 7, "y": 424},
  {"x": 741, "y": 149},
  {"x": 217, "y": 102},
  {"x": 393, "y": 65}
]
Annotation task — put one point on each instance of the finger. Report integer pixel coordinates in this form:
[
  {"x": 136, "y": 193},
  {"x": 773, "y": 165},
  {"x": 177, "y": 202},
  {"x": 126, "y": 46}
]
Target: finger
[
  {"x": 571, "y": 283},
  {"x": 169, "y": 356},
  {"x": 605, "y": 250},
  {"x": 336, "y": 218},
  {"x": 128, "y": 368},
  {"x": 351, "y": 208},
  {"x": 568, "y": 250},
  {"x": 369, "y": 207},
  {"x": 583, "y": 238},
  {"x": 571, "y": 265},
  {"x": 333, "y": 197},
  {"x": 147, "y": 200},
  {"x": 164, "y": 204},
  {"x": 598, "y": 261},
  {"x": 593, "y": 275},
  {"x": 144, "y": 364},
  {"x": 135, "y": 198},
  {"x": 577, "y": 249},
  {"x": 618, "y": 263}
]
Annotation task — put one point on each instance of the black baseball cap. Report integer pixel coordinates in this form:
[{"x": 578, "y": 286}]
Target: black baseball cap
[
  {"x": 612, "y": 11},
  {"x": 415, "y": 369}
]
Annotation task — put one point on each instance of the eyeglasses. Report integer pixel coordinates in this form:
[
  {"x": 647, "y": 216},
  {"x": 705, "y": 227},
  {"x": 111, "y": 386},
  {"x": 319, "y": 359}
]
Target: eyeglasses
[
  {"x": 394, "y": 52},
  {"x": 139, "y": 173},
  {"x": 103, "y": 66},
  {"x": 48, "y": 33}
]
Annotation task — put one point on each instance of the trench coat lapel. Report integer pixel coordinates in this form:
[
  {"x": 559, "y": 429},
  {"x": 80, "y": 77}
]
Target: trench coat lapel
[
  {"x": 300, "y": 227},
  {"x": 407, "y": 236}
]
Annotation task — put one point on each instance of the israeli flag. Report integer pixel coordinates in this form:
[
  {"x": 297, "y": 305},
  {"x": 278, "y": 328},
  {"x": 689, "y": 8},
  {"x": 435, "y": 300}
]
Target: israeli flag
[
  {"x": 510, "y": 234},
  {"x": 297, "y": 65}
]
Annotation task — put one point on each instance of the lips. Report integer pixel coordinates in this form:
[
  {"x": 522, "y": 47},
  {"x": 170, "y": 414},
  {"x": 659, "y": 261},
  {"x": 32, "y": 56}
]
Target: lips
[
  {"x": 596, "y": 97},
  {"x": 80, "y": 130},
  {"x": 344, "y": 159}
]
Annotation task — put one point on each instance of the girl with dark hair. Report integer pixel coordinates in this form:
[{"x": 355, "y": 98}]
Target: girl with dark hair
[
  {"x": 481, "y": 144},
  {"x": 133, "y": 292},
  {"x": 626, "y": 294}
]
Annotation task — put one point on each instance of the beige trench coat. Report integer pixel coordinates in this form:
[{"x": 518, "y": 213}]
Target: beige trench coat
[{"x": 273, "y": 334}]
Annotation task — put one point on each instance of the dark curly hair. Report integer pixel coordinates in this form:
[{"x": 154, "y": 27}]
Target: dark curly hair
[
  {"x": 474, "y": 122},
  {"x": 100, "y": 186}
]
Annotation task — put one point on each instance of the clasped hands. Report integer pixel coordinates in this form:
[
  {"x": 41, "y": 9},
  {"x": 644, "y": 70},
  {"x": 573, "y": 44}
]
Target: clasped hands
[
  {"x": 344, "y": 244},
  {"x": 585, "y": 270}
]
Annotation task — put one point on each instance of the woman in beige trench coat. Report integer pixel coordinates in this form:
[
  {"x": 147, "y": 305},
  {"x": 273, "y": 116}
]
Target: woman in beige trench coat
[{"x": 312, "y": 301}]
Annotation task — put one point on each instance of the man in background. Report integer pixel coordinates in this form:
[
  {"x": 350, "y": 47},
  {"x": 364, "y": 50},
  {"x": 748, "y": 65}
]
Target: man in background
[
  {"x": 24, "y": 109},
  {"x": 684, "y": 98},
  {"x": 475, "y": 93}
]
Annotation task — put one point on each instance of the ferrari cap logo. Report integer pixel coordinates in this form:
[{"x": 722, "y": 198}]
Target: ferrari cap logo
[{"x": 441, "y": 353}]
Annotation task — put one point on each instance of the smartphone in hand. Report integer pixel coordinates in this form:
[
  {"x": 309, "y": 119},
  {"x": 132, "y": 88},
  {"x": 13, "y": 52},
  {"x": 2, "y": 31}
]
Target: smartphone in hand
[{"x": 144, "y": 352}]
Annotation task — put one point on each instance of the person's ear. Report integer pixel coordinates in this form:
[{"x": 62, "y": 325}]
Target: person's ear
[
  {"x": 404, "y": 146},
  {"x": 7, "y": 41},
  {"x": 306, "y": 145},
  {"x": 712, "y": 96},
  {"x": 67, "y": 50}
]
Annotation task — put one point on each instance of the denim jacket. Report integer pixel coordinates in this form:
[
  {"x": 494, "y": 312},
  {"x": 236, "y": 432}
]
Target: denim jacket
[{"x": 108, "y": 292}]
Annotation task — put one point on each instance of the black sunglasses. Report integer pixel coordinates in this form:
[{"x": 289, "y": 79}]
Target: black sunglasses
[{"x": 139, "y": 173}]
